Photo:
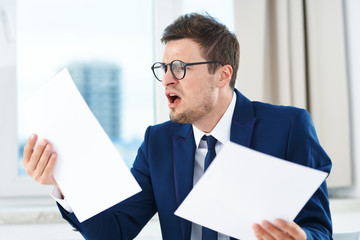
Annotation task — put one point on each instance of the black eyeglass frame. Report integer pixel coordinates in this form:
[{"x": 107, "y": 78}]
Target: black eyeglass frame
[{"x": 184, "y": 65}]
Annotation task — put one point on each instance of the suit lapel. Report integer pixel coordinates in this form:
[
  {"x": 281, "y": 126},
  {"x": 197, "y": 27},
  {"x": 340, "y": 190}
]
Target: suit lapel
[
  {"x": 184, "y": 156},
  {"x": 243, "y": 121}
]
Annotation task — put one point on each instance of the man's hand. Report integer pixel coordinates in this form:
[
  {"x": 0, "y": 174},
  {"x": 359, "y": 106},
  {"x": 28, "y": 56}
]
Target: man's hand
[
  {"x": 39, "y": 163},
  {"x": 279, "y": 230}
]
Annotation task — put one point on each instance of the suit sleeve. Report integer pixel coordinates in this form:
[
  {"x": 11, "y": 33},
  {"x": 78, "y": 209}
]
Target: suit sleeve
[
  {"x": 304, "y": 148},
  {"x": 126, "y": 219}
]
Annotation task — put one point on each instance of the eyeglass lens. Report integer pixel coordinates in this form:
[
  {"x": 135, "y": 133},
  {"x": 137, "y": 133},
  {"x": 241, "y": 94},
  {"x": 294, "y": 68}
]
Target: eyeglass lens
[{"x": 177, "y": 68}]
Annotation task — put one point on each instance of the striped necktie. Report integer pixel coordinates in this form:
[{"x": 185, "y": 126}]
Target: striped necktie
[{"x": 208, "y": 234}]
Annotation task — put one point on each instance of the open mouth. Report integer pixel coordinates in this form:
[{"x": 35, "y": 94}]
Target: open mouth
[{"x": 173, "y": 100}]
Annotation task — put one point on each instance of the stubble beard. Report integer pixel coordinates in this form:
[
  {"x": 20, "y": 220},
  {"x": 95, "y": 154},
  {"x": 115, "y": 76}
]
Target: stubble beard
[{"x": 198, "y": 110}]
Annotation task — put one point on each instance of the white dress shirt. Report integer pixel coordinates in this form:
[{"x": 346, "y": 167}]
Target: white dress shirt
[{"x": 221, "y": 132}]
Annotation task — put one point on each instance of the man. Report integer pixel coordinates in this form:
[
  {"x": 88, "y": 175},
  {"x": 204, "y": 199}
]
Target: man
[{"x": 198, "y": 71}]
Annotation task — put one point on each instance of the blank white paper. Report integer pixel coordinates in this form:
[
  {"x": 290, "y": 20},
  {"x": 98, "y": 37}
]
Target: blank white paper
[
  {"x": 89, "y": 169},
  {"x": 242, "y": 187}
]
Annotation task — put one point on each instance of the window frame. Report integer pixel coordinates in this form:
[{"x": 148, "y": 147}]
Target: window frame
[{"x": 11, "y": 184}]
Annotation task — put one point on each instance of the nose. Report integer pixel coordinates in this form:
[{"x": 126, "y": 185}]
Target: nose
[{"x": 169, "y": 79}]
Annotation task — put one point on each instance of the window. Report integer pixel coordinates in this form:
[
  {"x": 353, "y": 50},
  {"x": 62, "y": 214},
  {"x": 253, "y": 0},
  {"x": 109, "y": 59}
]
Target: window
[{"x": 107, "y": 47}]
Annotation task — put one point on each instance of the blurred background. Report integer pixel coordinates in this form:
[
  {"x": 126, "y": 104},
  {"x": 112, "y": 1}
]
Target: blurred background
[{"x": 302, "y": 53}]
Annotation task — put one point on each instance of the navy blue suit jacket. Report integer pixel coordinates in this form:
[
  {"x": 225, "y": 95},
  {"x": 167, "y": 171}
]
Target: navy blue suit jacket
[{"x": 164, "y": 169}]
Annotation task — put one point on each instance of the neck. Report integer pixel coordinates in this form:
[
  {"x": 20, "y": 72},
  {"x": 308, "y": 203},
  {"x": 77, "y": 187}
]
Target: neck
[{"x": 211, "y": 119}]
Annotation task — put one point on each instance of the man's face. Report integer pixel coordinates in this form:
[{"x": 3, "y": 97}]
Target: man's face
[{"x": 193, "y": 97}]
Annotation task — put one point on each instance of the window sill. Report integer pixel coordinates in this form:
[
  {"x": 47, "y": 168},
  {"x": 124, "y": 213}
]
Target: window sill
[
  {"x": 30, "y": 215},
  {"x": 345, "y": 215},
  {"x": 29, "y": 210}
]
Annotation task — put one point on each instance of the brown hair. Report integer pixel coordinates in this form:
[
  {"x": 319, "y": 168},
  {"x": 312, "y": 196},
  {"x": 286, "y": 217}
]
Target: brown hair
[{"x": 216, "y": 41}]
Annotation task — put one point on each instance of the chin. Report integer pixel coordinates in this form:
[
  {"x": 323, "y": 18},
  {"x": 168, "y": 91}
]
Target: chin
[{"x": 178, "y": 117}]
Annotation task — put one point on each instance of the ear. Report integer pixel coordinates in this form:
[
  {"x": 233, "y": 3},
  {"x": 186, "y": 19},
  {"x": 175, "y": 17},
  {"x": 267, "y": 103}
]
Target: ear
[{"x": 225, "y": 73}]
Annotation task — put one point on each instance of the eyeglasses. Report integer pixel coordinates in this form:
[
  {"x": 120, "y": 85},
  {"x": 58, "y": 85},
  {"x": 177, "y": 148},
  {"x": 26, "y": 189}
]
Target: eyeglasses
[{"x": 177, "y": 68}]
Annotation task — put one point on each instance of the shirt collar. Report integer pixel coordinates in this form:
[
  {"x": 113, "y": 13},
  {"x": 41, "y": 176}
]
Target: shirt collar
[{"x": 222, "y": 129}]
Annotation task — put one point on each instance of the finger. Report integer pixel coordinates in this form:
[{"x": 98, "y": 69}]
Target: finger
[
  {"x": 274, "y": 231},
  {"x": 257, "y": 228},
  {"x": 42, "y": 163},
  {"x": 261, "y": 233},
  {"x": 35, "y": 157},
  {"x": 291, "y": 228},
  {"x": 28, "y": 149},
  {"x": 49, "y": 169}
]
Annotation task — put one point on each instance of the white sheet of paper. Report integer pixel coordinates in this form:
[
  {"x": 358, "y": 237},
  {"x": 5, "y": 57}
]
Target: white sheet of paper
[
  {"x": 89, "y": 169},
  {"x": 242, "y": 187}
]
